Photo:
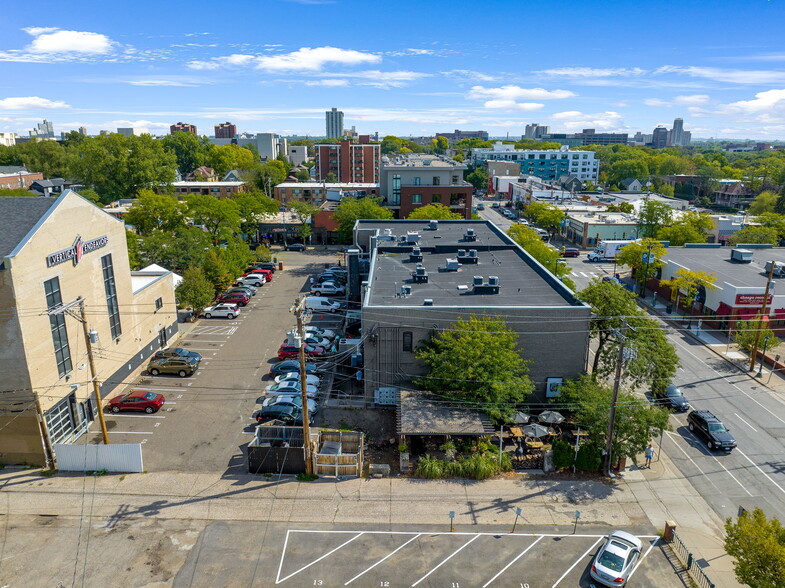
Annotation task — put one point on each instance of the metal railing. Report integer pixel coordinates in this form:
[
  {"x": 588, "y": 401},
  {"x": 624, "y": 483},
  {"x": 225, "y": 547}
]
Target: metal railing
[{"x": 688, "y": 561}]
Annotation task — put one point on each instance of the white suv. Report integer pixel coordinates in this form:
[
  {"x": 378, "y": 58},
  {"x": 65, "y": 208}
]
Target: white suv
[
  {"x": 221, "y": 310},
  {"x": 256, "y": 280}
]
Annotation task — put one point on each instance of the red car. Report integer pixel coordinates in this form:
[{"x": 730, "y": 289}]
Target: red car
[
  {"x": 572, "y": 252},
  {"x": 234, "y": 298},
  {"x": 268, "y": 275},
  {"x": 138, "y": 400},
  {"x": 286, "y": 351}
]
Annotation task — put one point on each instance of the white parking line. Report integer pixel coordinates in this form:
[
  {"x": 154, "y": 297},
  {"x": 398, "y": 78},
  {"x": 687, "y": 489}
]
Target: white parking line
[
  {"x": 745, "y": 422},
  {"x": 448, "y": 558},
  {"x": 130, "y": 432},
  {"x": 277, "y": 581},
  {"x": 577, "y": 561},
  {"x": 156, "y": 389},
  {"x": 383, "y": 559},
  {"x": 139, "y": 416},
  {"x": 517, "y": 557}
]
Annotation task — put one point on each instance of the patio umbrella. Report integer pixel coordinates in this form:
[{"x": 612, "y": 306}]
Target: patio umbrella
[
  {"x": 521, "y": 418},
  {"x": 551, "y": 417},
  {"x": 535, "y": 431}
]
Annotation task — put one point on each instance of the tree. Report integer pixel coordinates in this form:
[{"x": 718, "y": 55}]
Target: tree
[
  {"x": 746, "y": 332},
  {"x": 216, "y": 271},
  {"x": 625, "y": 207},
  {"x": 774, "y": 221},
  {"x": 331, "y": 178},
  {"x": 391, "y": 144},
  {"x": 195, "y": 290},
  {"x": 636, "y": 423},
  {"x": 154, "y": 211},
  {"x": 757, "y": 545},
  {"x": 187, "y": 247},
  {"x": 691, "y": 227},
  {"x": 117, "y": 166},
  {"x": 548, "y": 216},
  {"x": 476, "y": 360},
  {"x": 15, "y": 192},
  {"x": 629, "y": 168},
  {"x": 90, "y": 195},
  {"x": 652, "y": 216},
  {"x": 763, "y": 202},
  {"x": 262, "y": 253},
  {"x": 254, "y": 206},
  {"x": 434, "y": 212},
  {"x": 267, "y": 175},
  {"x": 478, "y": 178},
  {"x": 755, "y": 234},
  {"x": 440, "y": 144},
  {"x": 219, "y": 216},
  {"x": 132, "y": 240},
  {"x": 48, "y": 157},
  {"x": 350, "y": 210},
  {"x": 303, "y": 175},
  {"x": 632, "y": 255},
  {"x": 188, "y": 149},
  {"x": 687, "y": 284},
  {"x": 549, "y": 257},
  {"x": 304, "y": 211},
  {"x": 223, "y": 158}
]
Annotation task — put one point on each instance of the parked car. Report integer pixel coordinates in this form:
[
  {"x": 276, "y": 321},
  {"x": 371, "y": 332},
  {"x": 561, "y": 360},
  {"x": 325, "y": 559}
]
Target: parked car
[
  {"x": 268, "y": 275},
  {"x": 288, "y": 413},
  {"x": 495, "y": 205},
  {"x": 672, "y": 397},
  {"x": 616, "y": 559},
  {"x": 292, "y": 365},
  {"x": 572, "y": 252},
  {"x": 255, "y": 280},
  {"x": 268, "y": 265},
  {"x": 290, "y": 387},
  {"x": 326, "y": 333},
  {"x": 248, "y": 290},
  {"x": 296, "y": 247},
  {"x": 177, "y": 352},
  {"x": 310, "y": 379},
  {"x": 294, "y": 399},
  {"x": 286, "y": 351},
  {"x": 172, "y": 365},
  {"x": 704, "y": 424},
  {"x": 338, "y": 270},
  {"x": 317, "y": 340},
  {"x": 331, "y": 277},
  {"x": 480, "y": 206},
  {"x": 237, "y": 298},
  {"x": 221, "y": 310},
  {"x": 137, "y": 401},
  {"x": 321, "y": 304},
  {"x": 328, "y": 289}
]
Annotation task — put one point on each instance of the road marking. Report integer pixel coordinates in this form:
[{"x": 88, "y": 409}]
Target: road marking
[
  {"x": 202, "y": 341},
  {"x": 745, "y": 422},
  {"x": 130, "y": 433},
  {"x": 360, "y": 534},
  {"x": 383, "y": 559},
  {"x": 138, "y": 416},
  {"x": 159, "y": 389},
  {"x": 448, "y": 558},
  {"x": 732, "y": 476},
  {"x": 157, "y": 425},
  {"x": 673, "y": 438},
  {"x": 577, "y": 561},
  {"x": 519, "y": 556},
  {"x": 761, "y": 471}
]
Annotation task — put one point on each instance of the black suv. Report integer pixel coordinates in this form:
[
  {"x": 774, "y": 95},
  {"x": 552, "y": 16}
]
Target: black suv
[
  {"x": 672, "y": 397},
  {"x": 267, "y": 265},
  {"x": 708, "y": 426}
]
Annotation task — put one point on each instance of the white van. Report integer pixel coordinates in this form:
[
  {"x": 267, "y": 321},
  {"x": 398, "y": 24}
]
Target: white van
[{"x": 321, "y": 304}]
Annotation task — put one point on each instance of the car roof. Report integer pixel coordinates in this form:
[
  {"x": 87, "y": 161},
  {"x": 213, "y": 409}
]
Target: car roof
[
  {"x": 626, "y": 538},
  {"x": 138, "y": 394}
]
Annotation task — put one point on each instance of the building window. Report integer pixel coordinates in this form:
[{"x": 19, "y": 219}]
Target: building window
[
  {"x": 396, "y": 187},
  {"x": 407, "y": 341},
  {"x": 436, "y": 197},
  {"x": 159, "y": 303},
  {"x": 416, "y": 198},
  {"x": 436, "y": 181},
  {"x": 57, "y": 323},
  {"x": 417, "y": 181},
  {"x": 111, "y": 296},
  {"x": 455, "y": 179}
]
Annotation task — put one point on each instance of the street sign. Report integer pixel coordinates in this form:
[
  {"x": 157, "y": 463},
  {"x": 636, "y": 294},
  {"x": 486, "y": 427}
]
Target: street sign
[
  {"x": 452, "y": 514},
  {"x": 518, "y": 511},
  {"x": 577, "y": 514}
]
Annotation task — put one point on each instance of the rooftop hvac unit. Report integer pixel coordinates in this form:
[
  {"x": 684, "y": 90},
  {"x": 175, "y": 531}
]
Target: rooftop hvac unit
[
  {"x": 433, "y": 225},
  {"x": 416, "y": 254},
  {"x": 469, "y": 235},
  {"x": 388, "y": 232},
  {"x": 472, "y": 253},
  {"x": 412, "y": 237},
  {"x": 477, "y": 281},
  {"x": 461, "y": 252},
  {"x": 419, "y": 275},
  {"x": 406, "y": 290},
  {"x": 420, "y": 270},
  {"x": 452, "y": 265},
  {"x": 463, "y": 257},
  {"x": 402, "y": 238},
  {"x": 428, "y": 302},
  {"x": 493, "y": 280}
]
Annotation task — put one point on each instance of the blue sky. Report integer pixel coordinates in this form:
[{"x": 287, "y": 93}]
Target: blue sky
[{"x": 404, "y": 68}]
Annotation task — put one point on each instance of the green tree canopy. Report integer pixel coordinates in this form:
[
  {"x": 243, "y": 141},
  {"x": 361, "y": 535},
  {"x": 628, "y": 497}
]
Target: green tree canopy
[
  {"x": 547, "y": 216},
  {"x": 636, "y": 423},
  {"x": 48, "y": 157},
  {"x": 757, "y": 546},
  {"x": 434, "y": 212},
  {"x": 188, "y": 149},
  {"x": 350, "y": 210},
  {"x": 304, "y": 211},
  {"x": 686, "y": 284},
  {"x": 632, "y": 256},
  {"x": 755, "y": 234},
  {"x": 254, "y": 206},
  {"x": 195, "y": 290},
  {"x": 223, "y": 158},
  {"x": 691, "y": 227},
  {"x": 763, "y": 202},
  {"x": 774, "y": 221},
  {"x": 549, "y": 257},
  {"x": 478, "y": 178},
  {"x": 267, "y": 176},
  {"x": 185, "y": 248},
  {"x": 746, "y": 332},
  {"x": 219, "y": 216},
  {"x": 154, "y": 211},
  {"x": 476, "y": 360},
  {"x": 653, "y": 215}
]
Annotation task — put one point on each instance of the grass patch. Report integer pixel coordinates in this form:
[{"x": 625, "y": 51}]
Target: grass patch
[
  {"x": 122, "y": 477},
  {"x": 303, "y": 477},
  {"x": 48, "y": 473},
  {"x": 344, "y": 426},
  {"x": 96, "y": 473}
]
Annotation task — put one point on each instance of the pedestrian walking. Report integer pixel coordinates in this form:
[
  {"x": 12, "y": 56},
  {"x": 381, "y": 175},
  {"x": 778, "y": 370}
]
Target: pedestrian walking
[
  {"x": 649, "y": 454},
  {"x": 310, "y": 281}
]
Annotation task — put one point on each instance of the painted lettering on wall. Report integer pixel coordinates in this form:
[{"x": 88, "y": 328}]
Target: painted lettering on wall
[
  {"x": 76, "y": 251},
  {"x": 752, "y": 299}
]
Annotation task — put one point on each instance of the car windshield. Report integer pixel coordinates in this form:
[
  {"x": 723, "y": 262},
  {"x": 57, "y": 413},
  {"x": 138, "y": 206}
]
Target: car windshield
[
  {"x": 717, "y": 428},
  {"x": 611, "y": 561},
  {"x": 674, "y": 392},
  {"x": 150, "y": 396}
]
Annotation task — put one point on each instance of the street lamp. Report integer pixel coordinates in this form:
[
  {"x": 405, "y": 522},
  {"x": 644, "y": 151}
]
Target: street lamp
[{"x": 765, "y": 344}]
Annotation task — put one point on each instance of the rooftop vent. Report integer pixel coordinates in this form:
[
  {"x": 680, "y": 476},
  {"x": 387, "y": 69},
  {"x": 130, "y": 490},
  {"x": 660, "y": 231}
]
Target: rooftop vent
[
  {"x": 493, "y": 280},
  {"x": 452, "y": 265},
  {"x": 428, "y": 302},
  {"x": 416, "y": 254},
  {"x": 419, "y": 275},
  {"x": 472, "y": 253},
  {"x": 406, "y": 290},
  {"x": 464, "y": 257},
  {"x": 402, "y": 238},
  {"x": 492, "y": 287},
  {"x": 412, "y": 237},
  {"x": 433, "y": 225},
  {"x": 461, "y": 252},
  {"x": 469, "y": 235},
  {"x": 388, "y": 232},
  {"x": 477, "y": 281}
]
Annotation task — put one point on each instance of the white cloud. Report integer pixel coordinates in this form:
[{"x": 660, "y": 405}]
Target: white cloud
[
  {"x": 304, "y": 59},
  {"x": 592, "y": 72},
  {"x": 375, "y": 78},
  {"x": 576, "y": 120},
  {"x": 236, "y": 59},
  {"x": 733, "y": 76},
  {"x": 327, "y": 82},
  {"x": 30, "y": 103},
  {"x": 518, "y": 93},
  {"x": 763, "y": 102},
  {"x": 469, "y": 75},
  {"x": 689, "y": 100},
  {"x": 140, "y": 125},
  {"x": 656, "y": 102},
  {"x": 161, "y": 83},
  {"x": 52, "y": 40},
  {"x": 506, "y": 104}
]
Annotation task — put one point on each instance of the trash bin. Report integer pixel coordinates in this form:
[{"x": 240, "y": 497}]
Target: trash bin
[
  {"x": 280, "y": 266},
  {"x": 669, "y": 308}
]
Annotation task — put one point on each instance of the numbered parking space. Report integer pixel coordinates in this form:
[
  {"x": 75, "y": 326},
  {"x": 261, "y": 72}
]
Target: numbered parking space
[{"x": 454, "y": 560}]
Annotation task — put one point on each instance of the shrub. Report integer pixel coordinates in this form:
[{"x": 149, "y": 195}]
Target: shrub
[
  {"x": 449, "y": 450},
  {"x": 480, "y": 467},
  {"x": 562, "y": 454},
  {"x": 589, "y": 458},
  {"x": 430, "y": 468}
]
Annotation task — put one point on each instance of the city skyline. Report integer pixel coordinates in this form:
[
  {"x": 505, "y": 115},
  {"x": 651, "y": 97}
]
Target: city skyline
[{"x": 396, "y": 73}]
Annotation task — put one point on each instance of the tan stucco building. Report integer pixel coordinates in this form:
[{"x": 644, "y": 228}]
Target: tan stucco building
[{"x": 55, "y": 255}]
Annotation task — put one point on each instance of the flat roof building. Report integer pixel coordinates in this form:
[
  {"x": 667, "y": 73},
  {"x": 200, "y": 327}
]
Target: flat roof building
[
  {"x": 548, "y": 164},
  {"x": 425, "y": 275}
]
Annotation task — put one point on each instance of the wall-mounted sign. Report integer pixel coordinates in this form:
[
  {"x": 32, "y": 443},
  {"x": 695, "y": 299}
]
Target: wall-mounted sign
[
  {"x": 76, "y": 251},
  {"x": 756, "y": 299}
]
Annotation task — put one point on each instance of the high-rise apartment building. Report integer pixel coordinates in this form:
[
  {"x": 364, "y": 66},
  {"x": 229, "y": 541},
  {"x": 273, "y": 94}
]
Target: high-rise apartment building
[
  {"x": 225, "y": 131},
  {"x": 184, "y": 127},
  {"x": 536, "y": 131},
  {"x": 83, "y": 131},
  {"x": 458, "y": 135},
  {"x": 334, "y": 123},
  {"x": 348, "y": 162},
  {"x": 43, "y": 130},
  {"x": 659, "y": 138}
]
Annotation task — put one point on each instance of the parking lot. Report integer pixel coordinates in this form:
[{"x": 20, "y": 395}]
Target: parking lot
[{"x": 206, "y": 421}]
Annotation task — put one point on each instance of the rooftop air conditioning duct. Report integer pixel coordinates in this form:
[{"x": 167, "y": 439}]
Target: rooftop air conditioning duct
[
  {"x": 470, "y": 235},
  {"x": 406, "y": 290},
  {"x": 412, "y": 236},
  {"x": 416, "y": 254},
  {"x": 452, "y": 265},
  {"x": 433, "y": 225},
  {"x": 428, "y": 302},
  {"x": 477, "y": 281},
  {"x": 461, "y": 252},
  {"x": 493, "y": 280},
  {"x": 472, "y": 253}
]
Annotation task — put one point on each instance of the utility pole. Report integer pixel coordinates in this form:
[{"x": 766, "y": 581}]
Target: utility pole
[
  {"x": 298, "y": 312},
  {"x": 48, "y": 451},
  {"x": 93, "y": 376},
  {"x": 760, "y": 316},
  {"x": 614, "y": 401}
]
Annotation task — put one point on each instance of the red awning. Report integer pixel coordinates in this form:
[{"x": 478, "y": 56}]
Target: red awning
[{"x": 724, "y": 309}]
